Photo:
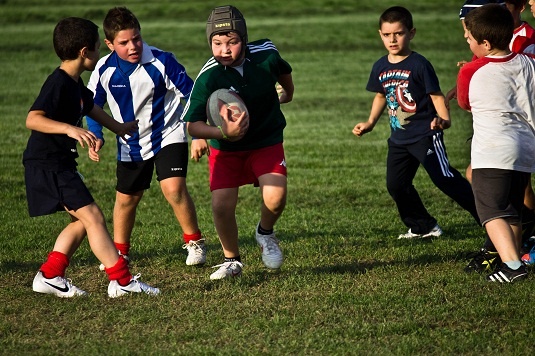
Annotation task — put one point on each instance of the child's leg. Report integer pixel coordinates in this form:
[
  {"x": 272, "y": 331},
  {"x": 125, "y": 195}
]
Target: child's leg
[
  {"x": 176, "y": 192},
  {"x": 124, "y": 217},
  {"x": 401, "y": 167},
  {"x": 99, "y": 238},
  {"x": 66, "y": 244},
  {"x": 224, "y": 210},
  {"x": 431, "y": 152},
  {"x": 505, "y": 238},
  {"x": 273, "y": 188},
  {"x": 70, "y": 238}
]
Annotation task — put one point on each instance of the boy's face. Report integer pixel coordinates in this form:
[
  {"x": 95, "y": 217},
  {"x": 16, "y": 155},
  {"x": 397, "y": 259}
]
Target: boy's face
[
  {"x": 396, "y": 38},
  {"x": 128, "y": 45},
  {"x": 227, "y": 49},
  {"x": 532, "y": 7}
]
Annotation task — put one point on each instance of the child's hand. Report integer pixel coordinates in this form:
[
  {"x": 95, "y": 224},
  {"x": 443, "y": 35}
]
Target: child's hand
[
  {"x": 283, "y": 96},
  {"x": 127, "y": 128},
  {"x": 93, "y": 151},
  {"x": 199, "y": 147},
  {"x": 235, "y": 130},
  {"x": 439, "y": 123},
  {"x": 82, "y": 135},
  {"x": 452, "y": 94},
  {"x": 361, "y": 128},
  {"x": 461, "y": 63}
]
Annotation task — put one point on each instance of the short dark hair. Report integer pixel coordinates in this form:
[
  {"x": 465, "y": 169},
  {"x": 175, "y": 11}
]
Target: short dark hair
[
  {"x": 72, "y": 34},
  {"x": 517, "y": 3},
  {"x": 397, "y": 14},
  {"x": 118, "y": 19},
  {"x": 493, "y": 23}
]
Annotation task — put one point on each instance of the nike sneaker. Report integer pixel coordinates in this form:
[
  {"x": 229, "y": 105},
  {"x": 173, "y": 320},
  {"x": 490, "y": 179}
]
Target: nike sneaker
[
  {"x": 135, "y": 286},
  {"x": 196, "y": 252},
  {"x": 271, "y": 252},
  {"x": 435, "y": 232},
  {"x": 227, "y": 270},
  {"x": 59, "y": 286}
]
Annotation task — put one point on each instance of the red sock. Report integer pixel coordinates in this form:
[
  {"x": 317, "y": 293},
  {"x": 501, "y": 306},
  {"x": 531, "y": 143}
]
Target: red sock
[
  {"x": 124, "y": 249},
  {"x": 119, "y": 272},
  {"x": 55, "y": 265},
  {"x": 193, "y": 237}
]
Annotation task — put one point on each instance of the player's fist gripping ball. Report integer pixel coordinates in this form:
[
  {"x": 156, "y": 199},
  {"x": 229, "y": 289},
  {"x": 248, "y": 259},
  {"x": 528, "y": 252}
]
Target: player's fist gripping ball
[{"x": 221, "y": 101}]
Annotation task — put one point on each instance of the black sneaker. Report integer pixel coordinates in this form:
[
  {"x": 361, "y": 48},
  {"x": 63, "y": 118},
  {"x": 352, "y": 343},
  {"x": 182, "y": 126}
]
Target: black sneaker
[
  {"x": 504, "y": 274},
  {"x": 483, "y": 261}
]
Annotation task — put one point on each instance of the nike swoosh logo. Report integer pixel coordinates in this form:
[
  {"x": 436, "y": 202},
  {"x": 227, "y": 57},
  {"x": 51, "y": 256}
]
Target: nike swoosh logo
[{"x": 61, "y": 289}]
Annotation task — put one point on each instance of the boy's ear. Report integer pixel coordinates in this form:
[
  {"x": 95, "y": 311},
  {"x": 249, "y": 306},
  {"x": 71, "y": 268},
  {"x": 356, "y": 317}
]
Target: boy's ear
[
  {"x": 83, "y": 52},
  {"x": 109, "y": 44},
  {"x": 412, "y": 33}
]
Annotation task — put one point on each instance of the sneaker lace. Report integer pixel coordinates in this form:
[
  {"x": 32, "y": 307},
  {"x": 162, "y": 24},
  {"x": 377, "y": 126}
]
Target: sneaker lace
[
  {"x": 144, "y": 287},
  {"x": 195, "y": 246},
  {"x": 271, "y": 244}
]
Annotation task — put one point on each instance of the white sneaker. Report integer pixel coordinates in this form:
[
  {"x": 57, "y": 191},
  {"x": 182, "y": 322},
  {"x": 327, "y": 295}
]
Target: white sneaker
[
  {"x": 196, "y": 252},
  {"x": 227, "y": 269},
  {"x": 116, "y": 290},
  {"x": 271, "y": 252},
  {"x": 435, "y": 232},
  {"x": 59, "y": 286},
  {"x": 103, "y": 268}
]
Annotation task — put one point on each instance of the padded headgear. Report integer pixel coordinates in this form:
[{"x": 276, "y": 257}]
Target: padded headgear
[{"x": 225, "y": 19}]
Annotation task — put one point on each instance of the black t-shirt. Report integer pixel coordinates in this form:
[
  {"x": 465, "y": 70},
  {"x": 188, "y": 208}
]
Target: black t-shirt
[
  {"x": 62, "y": 99},
  {"x": 407, "y": 86}
]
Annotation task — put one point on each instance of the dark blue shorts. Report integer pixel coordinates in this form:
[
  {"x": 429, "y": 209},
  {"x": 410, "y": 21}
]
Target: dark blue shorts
[
  {"x": 170, "y": 161},
  {"x": 49, "y": 192}
]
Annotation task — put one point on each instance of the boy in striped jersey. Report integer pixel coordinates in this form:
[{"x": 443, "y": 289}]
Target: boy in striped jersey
[
  {"x": 249, "y": 150},
  {"x": 144, "y": 83},
  {"x": 405, "y": 83}
]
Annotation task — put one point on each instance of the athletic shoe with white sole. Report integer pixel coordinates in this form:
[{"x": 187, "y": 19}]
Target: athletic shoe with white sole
[
  {"x": 59, "y": 286},
  {"x": 435, "y": 232},
  {"x": 227, "y": 270},
  {"x": 271, "y": 252},
  {"x": 504, "y": 274},
  {"x": 116, "y": 290},
  {"x": 483, "y": 261},
  {"x": 102, "y": 268},
  {"x": 196, "y": 252}
]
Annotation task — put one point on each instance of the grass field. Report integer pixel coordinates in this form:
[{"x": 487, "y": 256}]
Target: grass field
[{"x": 348, "y": 286}]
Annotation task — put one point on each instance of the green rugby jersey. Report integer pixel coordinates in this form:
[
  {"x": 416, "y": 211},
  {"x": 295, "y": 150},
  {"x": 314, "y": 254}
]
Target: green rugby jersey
[{"x": 256, "y": 87}]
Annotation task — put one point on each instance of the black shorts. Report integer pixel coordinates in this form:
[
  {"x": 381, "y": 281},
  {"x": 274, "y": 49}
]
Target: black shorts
[
  {"x": 49, "y": 192},
  {"x": 170, "y": 161},
  {"x": 499, "y": 193}
]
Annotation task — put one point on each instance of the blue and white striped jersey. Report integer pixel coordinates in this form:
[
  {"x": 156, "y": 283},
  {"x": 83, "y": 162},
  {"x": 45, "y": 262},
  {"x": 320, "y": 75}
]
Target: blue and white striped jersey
[{"x": 152, "y": 94}]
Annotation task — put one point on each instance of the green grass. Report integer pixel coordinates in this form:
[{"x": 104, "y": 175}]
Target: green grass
[{"x": 348, "y": 286}]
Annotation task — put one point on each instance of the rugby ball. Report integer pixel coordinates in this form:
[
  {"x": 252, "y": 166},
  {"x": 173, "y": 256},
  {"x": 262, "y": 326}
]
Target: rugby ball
[{"x": 223, "y": 100}]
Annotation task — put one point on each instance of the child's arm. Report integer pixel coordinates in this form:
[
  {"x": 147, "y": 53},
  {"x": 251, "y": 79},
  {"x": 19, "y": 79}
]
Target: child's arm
[
  {"x": 37, "y": 121},
  {"x": 442, "y": 120},
  {"x": 378, "y": 106},
  {"x": 286, "y": 88},
  {"x": 120, "y": 129}
]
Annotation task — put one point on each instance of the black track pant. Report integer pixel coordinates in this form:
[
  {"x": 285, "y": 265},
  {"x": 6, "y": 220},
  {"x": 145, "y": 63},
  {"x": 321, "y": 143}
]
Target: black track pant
[{"x": 401, "y": 167}]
